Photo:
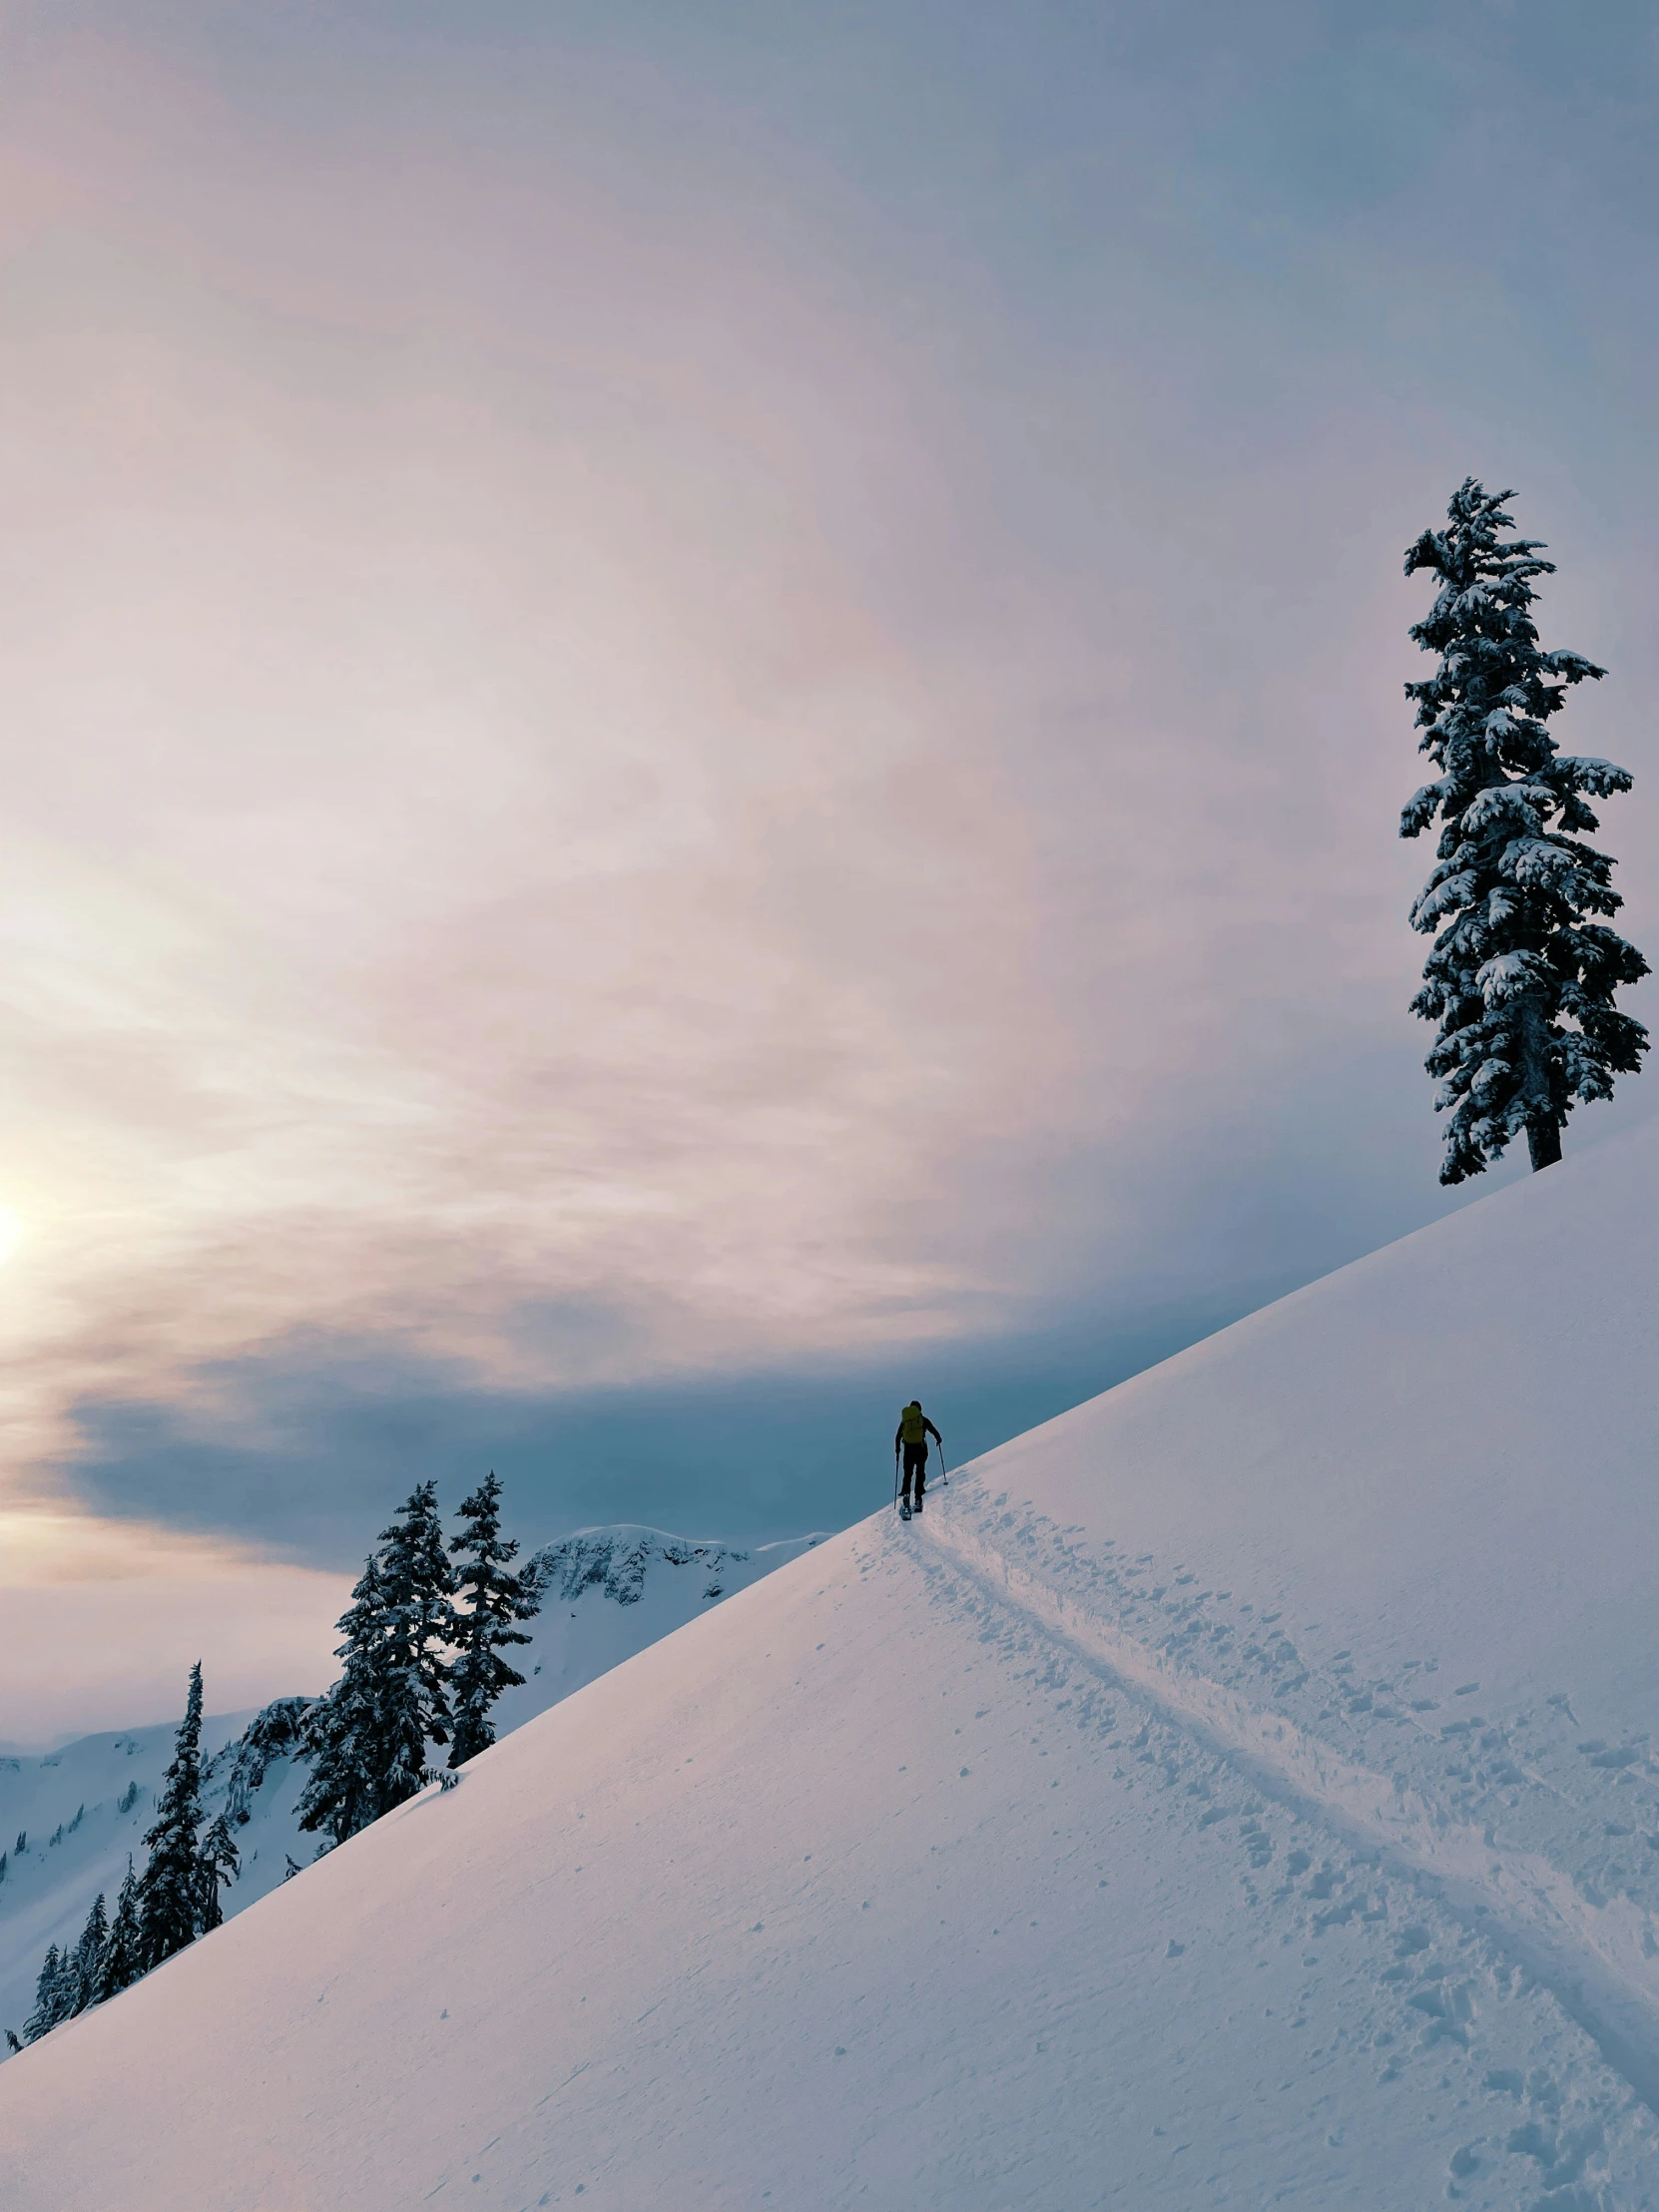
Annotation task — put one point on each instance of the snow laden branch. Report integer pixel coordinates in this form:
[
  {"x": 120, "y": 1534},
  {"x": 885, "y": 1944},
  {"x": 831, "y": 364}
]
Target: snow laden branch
[{"x": 1520, "y": 984}]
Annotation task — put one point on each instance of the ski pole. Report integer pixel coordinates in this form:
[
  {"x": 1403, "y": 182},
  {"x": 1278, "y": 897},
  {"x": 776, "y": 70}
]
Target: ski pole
[
  {"x": 895, "y": 1478},
  {"x": 944, "y": 1471}
]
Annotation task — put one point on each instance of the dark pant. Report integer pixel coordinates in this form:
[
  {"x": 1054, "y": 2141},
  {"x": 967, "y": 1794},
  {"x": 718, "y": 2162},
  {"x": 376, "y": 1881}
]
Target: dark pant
[{"x": 915, "y": 1468}]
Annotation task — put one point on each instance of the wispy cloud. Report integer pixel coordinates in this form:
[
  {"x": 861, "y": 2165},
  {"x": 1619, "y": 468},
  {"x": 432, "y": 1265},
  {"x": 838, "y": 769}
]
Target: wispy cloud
[{"x": 692, "y": 699}]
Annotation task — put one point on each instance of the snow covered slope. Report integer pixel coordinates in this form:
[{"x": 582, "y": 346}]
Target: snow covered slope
[
  {"x": 67, "y": 1821},
  {"x": 1240, "y": 1791}
]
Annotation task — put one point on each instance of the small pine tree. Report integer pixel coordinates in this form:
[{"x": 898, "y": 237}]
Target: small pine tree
[
  {"x": 1519, "y": 982},
  {"x": 170, "y": 1887},
  {"x": 491, "y": 1600},
  {"x": 122, "y": 1961},
  {"x": 219, "y": 1861},
  {"x": 89, "y": 1957},
  {"x": 54, "y": 1989}
]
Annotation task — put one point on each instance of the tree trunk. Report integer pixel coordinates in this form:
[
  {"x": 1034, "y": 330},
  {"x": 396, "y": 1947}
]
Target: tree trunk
[{"x": 1543, "y": 1130}]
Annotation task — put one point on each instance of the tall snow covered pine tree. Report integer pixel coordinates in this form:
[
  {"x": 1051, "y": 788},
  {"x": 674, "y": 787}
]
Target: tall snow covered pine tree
[
  {"x": 491, "y": 1599},
  {"x": 170, "y": 1887},
  {"x": 420, "y": 1620},
  {"x": 341, "y": 1732},
  {"x": 368, "y": 1738},
  {"x": 1521, "y": 983}
]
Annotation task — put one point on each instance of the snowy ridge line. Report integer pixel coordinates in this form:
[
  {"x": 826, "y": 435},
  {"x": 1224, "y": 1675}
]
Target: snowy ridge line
[{"x": 1599, "y": 1961}]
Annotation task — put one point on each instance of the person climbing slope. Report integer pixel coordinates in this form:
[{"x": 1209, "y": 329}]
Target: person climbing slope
[{"x": 913, "y": 1433}]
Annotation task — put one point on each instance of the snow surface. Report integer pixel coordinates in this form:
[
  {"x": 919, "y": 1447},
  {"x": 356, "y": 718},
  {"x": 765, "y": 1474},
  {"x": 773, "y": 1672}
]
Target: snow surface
[
  {"x": 1240, "y": 1791},
  {"x": 607, "y": 1593}
]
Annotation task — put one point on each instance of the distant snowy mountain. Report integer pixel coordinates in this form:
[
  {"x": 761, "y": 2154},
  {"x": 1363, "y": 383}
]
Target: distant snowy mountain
[
  {"x": 1242, "y": 1790},
  {"x": 69, "y": 1820},
  {"x": 609, "y": 1592}
]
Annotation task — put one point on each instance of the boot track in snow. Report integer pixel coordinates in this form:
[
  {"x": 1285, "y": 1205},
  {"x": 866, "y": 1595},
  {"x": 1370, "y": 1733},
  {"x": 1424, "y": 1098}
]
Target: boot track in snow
[{"x": 1598, "y": 1961}]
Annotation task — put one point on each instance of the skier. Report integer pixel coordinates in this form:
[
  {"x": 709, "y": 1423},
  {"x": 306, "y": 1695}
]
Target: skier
[{"x": 913, "y": 1433}]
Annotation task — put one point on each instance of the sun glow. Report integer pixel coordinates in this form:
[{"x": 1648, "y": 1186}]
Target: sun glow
[{"x": 11, "y": 1232}]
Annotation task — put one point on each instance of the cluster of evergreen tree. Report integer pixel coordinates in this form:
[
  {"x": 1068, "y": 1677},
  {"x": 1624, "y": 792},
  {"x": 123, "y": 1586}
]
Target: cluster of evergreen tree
[
  {"x": 1521, "y": 980},
  {"x": 175, "y": 1900},
  {"x": 422, "y": 1660},
  {"x": 424, "y": 1665},
  {"x": 104, "y": 1960}
]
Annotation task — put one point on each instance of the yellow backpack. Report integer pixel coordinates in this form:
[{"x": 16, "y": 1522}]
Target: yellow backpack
[{"x": 911, "y": 1425}]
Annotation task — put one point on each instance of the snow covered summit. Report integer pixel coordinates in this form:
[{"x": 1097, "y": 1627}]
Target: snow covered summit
[{"x": 1239, "y": 1791}]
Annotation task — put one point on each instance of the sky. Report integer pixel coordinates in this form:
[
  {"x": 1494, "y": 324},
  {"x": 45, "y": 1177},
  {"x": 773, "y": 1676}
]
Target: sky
[{"x": 703, "y": 726}]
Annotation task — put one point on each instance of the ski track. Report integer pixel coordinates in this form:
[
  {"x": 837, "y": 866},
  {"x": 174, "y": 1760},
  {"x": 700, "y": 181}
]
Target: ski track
[{"x": 1597, "y": 1958}]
